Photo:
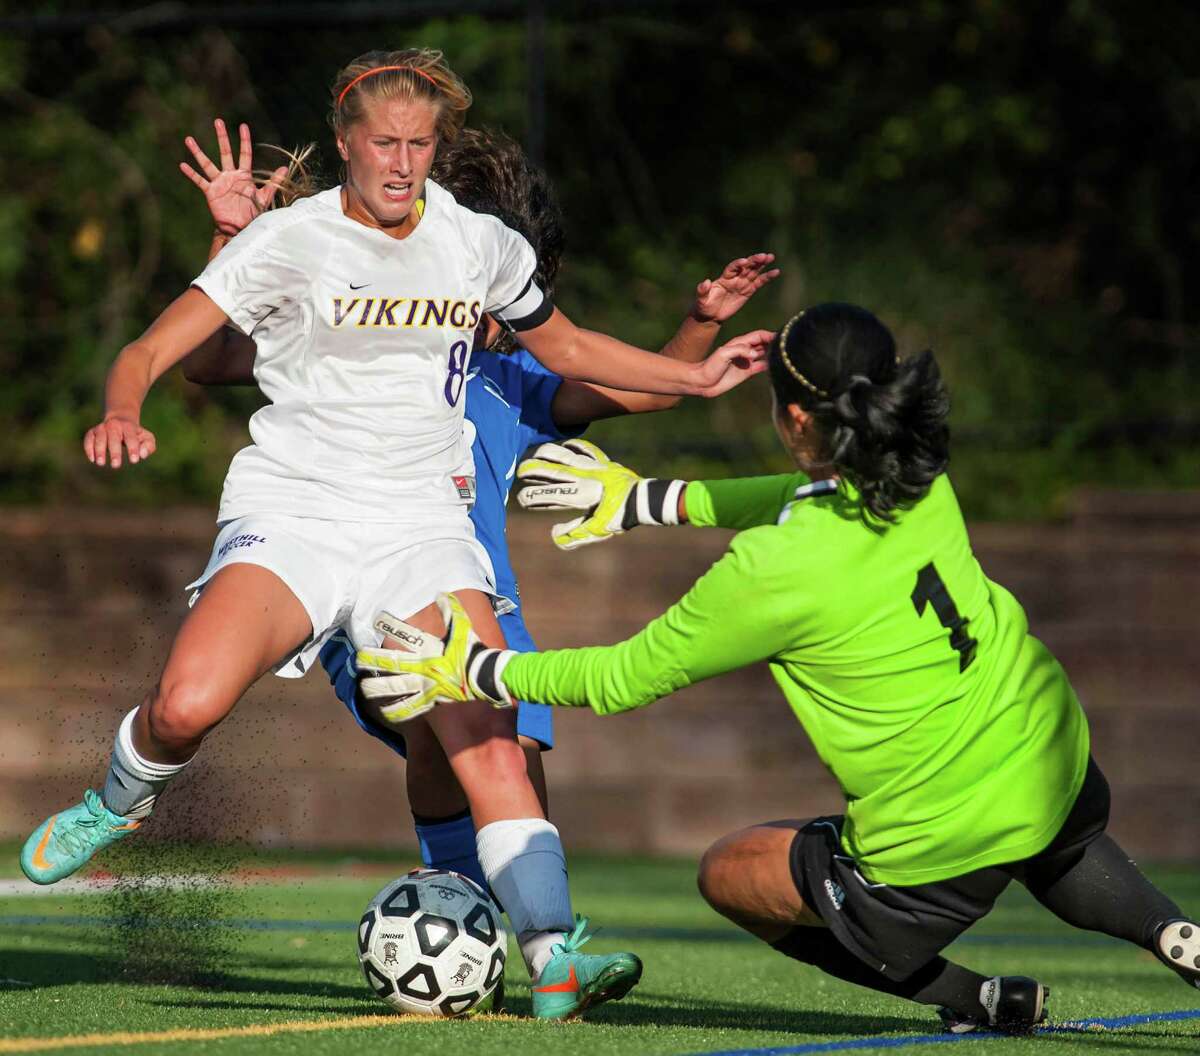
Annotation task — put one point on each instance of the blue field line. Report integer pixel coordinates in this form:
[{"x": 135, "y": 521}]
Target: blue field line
[
  {"x": 634, "y": 932},
  {"x": 1079, "y": 1026}
]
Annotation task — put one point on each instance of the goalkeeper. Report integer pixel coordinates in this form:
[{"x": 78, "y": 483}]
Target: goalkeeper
[{"x": 954, "y": 734}]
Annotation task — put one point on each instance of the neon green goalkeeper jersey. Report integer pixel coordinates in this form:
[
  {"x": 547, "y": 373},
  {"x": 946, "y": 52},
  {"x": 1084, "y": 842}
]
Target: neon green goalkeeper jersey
[{"x": 954, "y": 734}]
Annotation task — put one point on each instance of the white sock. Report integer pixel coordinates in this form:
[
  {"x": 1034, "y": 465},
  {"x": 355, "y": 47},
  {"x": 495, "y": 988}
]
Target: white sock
[
  {"x": 524, "y": 864},
  {"x": 134, "y": 783}
]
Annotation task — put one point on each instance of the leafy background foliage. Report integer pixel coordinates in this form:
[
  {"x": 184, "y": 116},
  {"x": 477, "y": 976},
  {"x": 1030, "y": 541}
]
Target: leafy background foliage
[{"x": 1009, "y": 183}]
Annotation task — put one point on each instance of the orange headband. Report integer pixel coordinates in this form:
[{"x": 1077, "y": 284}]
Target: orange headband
[{"x": 381, "y": 69}]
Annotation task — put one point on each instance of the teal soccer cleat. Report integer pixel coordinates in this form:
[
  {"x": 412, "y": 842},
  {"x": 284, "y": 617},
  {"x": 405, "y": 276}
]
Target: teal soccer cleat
[
  {"x": 574, "y": 981},
  {"x": 66, "y": 841}
]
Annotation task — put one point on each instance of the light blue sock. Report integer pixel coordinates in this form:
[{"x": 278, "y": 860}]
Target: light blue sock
[{"x": 449, "y": 843}]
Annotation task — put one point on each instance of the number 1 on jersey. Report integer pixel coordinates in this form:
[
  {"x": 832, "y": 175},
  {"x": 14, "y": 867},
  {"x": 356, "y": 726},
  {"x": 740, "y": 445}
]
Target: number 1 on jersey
[
  {"x": 457, "y": 375},
  {"x": 930, "y": 590}
]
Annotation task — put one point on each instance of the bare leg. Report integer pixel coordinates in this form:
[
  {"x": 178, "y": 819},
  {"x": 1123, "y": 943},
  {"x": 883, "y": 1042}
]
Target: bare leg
[
  {"x": 536, "y": 772},
  {"x": 479, "y": 741},
  {"x": 747, "y": 877},
  {"x": 444, "y": 825},
  {"x": 519, "y": 851},
  {"x": 245, "y": 621},
  {"x": 433, "y": 788}
]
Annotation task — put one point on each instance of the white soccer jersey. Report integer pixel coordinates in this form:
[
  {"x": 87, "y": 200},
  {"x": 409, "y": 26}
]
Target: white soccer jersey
[{"x": 363, "y": 347}]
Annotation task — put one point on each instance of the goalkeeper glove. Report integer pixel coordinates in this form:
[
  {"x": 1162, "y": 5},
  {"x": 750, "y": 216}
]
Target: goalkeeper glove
[
  {"x": 577, "y": 475},
  {"x": 455, "y": 667}
]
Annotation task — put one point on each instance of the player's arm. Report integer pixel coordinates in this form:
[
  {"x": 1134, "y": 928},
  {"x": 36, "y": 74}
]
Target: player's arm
[
  {"x": 234, "y": 198},
  {"x": 187, "y": 322},
  {"x": 717, "y": 300},
  {"x": 695, "y": 639},
  {"x": 730, "y": 618},
  {"x": 610, "y": 498},
  {"x": 226, "y": 358},
  {"x": 585, "y": 355},
  {"x": 738, "y": 502},
  {"x": 579, "y": 402},
  {"x": 514, "y": 299}
]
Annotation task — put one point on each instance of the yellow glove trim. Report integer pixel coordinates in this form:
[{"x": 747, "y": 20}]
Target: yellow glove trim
[
  {"x": 606, "y": 517},
  {"x": 443, "y": 678}
]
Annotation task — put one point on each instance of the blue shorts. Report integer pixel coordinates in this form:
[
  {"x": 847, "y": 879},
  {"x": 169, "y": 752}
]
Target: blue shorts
[{"x": 337, "y": 655}]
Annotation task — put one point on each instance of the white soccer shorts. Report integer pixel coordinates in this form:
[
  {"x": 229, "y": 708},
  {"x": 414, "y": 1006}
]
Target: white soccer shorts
[{"x": 345, "y": 572}]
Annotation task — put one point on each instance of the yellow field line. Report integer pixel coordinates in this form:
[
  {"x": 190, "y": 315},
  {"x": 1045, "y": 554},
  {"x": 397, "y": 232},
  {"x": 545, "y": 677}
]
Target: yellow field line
[{"x": 260, "y": 1030}]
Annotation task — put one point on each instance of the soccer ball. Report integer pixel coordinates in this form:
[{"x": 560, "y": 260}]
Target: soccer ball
[{"x": 432, "y": 943}]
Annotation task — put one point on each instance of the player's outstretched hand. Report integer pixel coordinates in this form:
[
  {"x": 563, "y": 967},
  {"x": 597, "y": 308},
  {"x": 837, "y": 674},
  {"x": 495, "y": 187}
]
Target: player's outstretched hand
[
  {"x": 233, "y": 196},
  {"x": 734, "y": 362},
  {"x": 406, "y": 683},
  {"x": 103, "y": 444},
  {"x": 721, "y": 298},
  {"x": 609, "y": 497}
]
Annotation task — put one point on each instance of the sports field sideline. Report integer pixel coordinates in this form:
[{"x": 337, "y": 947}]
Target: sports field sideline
[{"x": 270, "y": 967}]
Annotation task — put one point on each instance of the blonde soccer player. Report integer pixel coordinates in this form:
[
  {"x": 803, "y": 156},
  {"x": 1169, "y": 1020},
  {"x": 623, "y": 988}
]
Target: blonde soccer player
[
  {"x": 513, "y": 403},
  {"x": 352, "y": 498}
]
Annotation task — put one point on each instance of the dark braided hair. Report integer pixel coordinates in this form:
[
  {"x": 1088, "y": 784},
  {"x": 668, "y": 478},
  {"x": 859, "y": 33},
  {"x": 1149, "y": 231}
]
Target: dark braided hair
[
  {"x": 488, "y": 172},
  {"x": 881, "y": 420}
]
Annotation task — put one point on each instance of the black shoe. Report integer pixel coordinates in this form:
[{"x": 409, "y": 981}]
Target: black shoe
[
  {"x": 1178, "y": 947},
  {"x": 1015, "y": 1004}
]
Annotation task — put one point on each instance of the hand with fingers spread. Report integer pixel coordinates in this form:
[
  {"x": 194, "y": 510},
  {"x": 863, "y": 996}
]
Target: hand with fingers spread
[
  {"x": 609, "y": 497},
  {"x": 103, "y": 444},
  {"x": 719, "y": 299},
  {"x": 234, "y": 198},
  {"x": 734, "y": 362}
]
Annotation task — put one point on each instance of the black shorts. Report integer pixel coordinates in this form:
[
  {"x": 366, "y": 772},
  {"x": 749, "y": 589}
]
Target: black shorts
[{"x": 897, "y": 930}]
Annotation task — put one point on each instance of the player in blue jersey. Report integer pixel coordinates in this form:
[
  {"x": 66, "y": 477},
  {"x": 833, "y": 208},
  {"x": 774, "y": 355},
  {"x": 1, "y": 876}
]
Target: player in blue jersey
[{"x": 513, "y": 403}]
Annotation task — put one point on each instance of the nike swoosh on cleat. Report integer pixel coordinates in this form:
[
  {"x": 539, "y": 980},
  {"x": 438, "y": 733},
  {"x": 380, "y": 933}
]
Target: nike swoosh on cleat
[
  {"x": 571, "y": 986},
  {"x": 39, "y": 859}
]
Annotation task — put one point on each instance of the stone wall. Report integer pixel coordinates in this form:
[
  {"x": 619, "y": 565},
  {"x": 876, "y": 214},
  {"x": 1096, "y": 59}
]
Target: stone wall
[{"x": 90, "y": 599}]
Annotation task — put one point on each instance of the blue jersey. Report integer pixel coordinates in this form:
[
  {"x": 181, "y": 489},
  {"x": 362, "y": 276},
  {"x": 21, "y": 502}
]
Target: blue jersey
[
  {"x": 508, "y": 411},
  {"x": 509, "y": 402}
]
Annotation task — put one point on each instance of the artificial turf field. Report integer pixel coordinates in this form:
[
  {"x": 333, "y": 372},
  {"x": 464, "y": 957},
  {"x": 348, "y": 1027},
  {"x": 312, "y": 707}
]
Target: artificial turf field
[{"x": 271, "y": 968}]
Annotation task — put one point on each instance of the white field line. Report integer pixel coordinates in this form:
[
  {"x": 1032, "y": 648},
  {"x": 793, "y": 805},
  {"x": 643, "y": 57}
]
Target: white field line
[
  {"x": 99, "y": 885},
  {"x": 104, "y": 884}
]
